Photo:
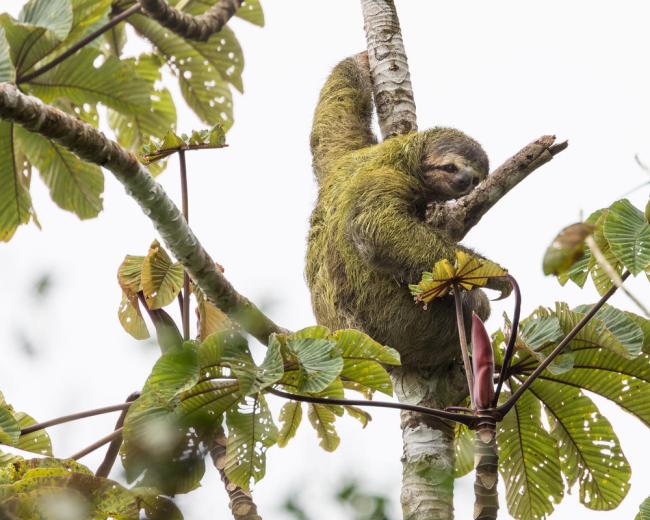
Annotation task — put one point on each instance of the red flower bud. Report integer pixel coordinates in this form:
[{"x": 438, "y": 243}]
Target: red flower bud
[{"x": 482, "y": 364}]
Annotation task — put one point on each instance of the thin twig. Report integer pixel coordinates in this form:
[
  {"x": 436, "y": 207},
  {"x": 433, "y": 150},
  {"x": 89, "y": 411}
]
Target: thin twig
[
  {"x": 80, "y": 44},
  {"x": 74, "y": 417},
  {"x": 185, "y": 205},
  {"x": 613, "y": 275},
  {"x": 505, "y": 407},
  {"x": 468, "y": 420},
  {"x": 105, "y": 467},
  {"x": 96, "y": 445},
  {"x": 460, "y": 321},
  {"x": 507, "y": 356}
]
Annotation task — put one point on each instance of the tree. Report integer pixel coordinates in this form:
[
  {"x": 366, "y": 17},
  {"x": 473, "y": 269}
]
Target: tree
[{"x": 206, "y": 277}]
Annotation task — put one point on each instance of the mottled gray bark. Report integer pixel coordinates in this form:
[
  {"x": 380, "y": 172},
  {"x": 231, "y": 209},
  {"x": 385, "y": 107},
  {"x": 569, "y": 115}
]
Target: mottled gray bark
[
  {"x": 486, "y": 461},
  {"x": 241, "y": 501},
  {"x": 389, "y": 68},
  {"x": 428, "y": 456},
  {"x": 199, "y": 27},
  {"x": 93, "y": 146},
  {"x": 458, "y": 218}
]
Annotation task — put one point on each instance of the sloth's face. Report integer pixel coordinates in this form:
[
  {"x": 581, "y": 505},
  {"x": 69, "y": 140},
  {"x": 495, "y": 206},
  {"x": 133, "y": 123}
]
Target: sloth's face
[{"x": 450, "y": 176}]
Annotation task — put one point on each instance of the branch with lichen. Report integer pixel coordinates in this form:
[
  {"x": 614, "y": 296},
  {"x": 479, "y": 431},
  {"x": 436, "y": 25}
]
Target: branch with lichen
[
  {"x": 93, "y": 146},
  {"x": 199, "y": 27},
  {"x": 458, "y": 218}
]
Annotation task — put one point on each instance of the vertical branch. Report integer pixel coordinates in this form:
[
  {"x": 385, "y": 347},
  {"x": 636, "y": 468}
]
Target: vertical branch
[
  {"x": 185, "y": 302},
  {"x": 389, "y": 68},
  {"x": 486, "y": 461}
]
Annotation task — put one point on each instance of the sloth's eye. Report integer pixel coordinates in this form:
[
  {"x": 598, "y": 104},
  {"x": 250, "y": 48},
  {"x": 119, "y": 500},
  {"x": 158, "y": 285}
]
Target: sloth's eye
[{"x": 449, "y": 168}]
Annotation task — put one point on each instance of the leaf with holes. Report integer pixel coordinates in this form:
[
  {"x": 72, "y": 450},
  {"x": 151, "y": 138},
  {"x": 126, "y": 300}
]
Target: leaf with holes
[
  {"x": 290, "y": 417},
  {"x": 251, "y": 432},
  {"x": 590, "y": 453},
  {"x": 529, "y": 462},
  {"x": 628, "y": 233},
  {"x": 322, "y": 418},
  {"x": 623, "y": 327}
]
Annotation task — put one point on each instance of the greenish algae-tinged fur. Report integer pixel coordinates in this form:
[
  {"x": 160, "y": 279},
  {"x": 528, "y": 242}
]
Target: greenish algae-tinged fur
[{"x": 368, "y": 240}]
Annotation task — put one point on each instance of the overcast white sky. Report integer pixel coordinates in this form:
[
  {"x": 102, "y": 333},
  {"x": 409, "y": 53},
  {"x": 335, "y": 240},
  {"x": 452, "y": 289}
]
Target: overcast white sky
[{"x": 504, "y": 72}]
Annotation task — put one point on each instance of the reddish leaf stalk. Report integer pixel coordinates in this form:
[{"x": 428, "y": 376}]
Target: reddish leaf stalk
[
  {"x": 483, "y": 365},
  {"x": 463, "y": 344}
]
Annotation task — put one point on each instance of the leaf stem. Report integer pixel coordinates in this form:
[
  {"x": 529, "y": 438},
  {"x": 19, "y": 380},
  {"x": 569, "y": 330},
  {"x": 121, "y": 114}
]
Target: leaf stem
[
  {"x": 80, "y": 44},
  {"x": 507, "y": 357},
  {"x": 469, "y": 420},
  {"x": 185, "y": 204},
  {"x": 74, "y": 417},
  {"x": 505, "y": 407},
  {"x": 114, "y": 448},
  {"x": 462, "y": 336},
  {"x": 98, "y": 444}
]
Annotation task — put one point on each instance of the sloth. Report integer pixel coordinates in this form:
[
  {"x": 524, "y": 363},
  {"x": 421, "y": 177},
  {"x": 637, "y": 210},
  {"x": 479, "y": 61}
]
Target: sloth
[{"x": 368, "y": 239}]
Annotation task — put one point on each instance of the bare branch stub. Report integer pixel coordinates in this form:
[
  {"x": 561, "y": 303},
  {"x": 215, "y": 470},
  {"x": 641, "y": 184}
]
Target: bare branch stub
[{"x": 458, "y": 218}]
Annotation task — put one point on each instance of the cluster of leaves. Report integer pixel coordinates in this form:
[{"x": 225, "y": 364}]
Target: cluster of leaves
[
  {"x": 139, "y": 108},
  {"x": 157, "y": 149},
  {"x": 466, "y": 273},
  {"x": 195, "y": 387},
  {"x": 622, "y": 235},
  {"x": 610, "y": 357}
]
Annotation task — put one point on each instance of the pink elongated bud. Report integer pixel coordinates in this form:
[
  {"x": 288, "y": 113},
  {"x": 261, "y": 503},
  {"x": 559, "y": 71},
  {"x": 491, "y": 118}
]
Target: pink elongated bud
[{"x": 482, "y": 364}]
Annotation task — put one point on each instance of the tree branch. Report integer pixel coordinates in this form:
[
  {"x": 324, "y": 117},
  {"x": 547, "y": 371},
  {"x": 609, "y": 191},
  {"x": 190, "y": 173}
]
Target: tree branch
[
  {"x": 98, "y": 444},
  {"x": 74, "y": 417},
  {"x": 389, "y": 68},
  {"x": 93, "y": 146},
  {"x": 241, "y": 501},
  {"x": 458, "y": 218},
  {"x": 199, "y": 27},
  {"x": 113, "y": 451}
]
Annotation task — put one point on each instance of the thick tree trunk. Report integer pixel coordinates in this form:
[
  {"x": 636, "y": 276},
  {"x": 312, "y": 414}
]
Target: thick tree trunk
[
  {"x": 428, "y": 457},
  {"x": 486, "y": 461},
  {"x": 389, "y": 69}
]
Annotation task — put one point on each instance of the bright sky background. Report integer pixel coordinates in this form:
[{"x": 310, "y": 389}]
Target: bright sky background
[{"x": 504, "y": 72}]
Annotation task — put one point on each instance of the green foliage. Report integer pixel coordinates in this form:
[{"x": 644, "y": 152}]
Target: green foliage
[
  {"x": 622, "y": 235},
  {"x": 464, "y": 450},
  {"x": 644, "y": 510},
  {"x": 139, "y": 108},
  {"x": 11, "y": 424},
  {"x": 605, "y": 358},
  {"x": 155, "y": 150}
]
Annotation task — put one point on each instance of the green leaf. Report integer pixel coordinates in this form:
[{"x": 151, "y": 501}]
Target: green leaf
[
  {"x": 363, "y": 359},
  {"x": 251, "y": 11},
  {"x": 40, "y": 27},
  {"x": 644, "y": 510},
  {"x": 135, "y": 129},
  {"x": 162, "y": 280},
  {"x": 622, "y": 326},
  {"x": 567, "y": 248},
  {"x": 35, "y": 442},
  {"x": 131, "y": 318},
  {"x": 229, "y": 349},
  {"x": 464, "y": 449},
  {"x": 579, "y": 271},
  {"x": 85, "y": 14},
  {"x": 644, "y": 325},
  {"x": 200, "y": 68},
  {"x": 290, "y": 417},
  {"x": 7, "y": 70},
  {"x": 529, "y": 462},
  {"x": 250, "y": 433},
  {"x": 359, "y": 414},
  {"x": 590, "y": 453},
  {"x": 322, "y": 419},
  {"x": 113, "y": 83},
  {"x": 208, "y": 400},
  {"x": 319, "y": 362},
  {"x": 9, "y": 426},
  {"x": 15, "y": 200},
  {"x": 600, "y": 275},
  {"x": 74, "y": 185},
  {"x": 628, "y": 233}
]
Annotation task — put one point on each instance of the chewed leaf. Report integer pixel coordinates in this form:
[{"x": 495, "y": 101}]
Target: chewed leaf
[
  {"x": 567, "y": 248},
  {"x": 467, "y": 273}
]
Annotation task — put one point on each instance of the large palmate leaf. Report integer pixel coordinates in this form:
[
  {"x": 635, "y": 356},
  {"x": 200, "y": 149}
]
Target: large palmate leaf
[
  {"x": 39, "y": 29},
  {"x": 85, "y": 15},
  {"x": 626, "y": 330},
  {"x": 113, "y": 83},
  {"x": 644, "y": 510},
  {"x": 199, "y": 67},
  {"x": 628, "y": 233},
  {"x": 590, "y": 453},
  {"x": 318, "y": 360},
  {"x": 9, "y": 426},
  {"x": 251, "y": 432},
  {"x": 161, "y": 278},
  {"x": 39, "y": 488},
  {"x": 529, "y": 462},
  {"x": 15, "y": 200},
  {"x": 250, "y": 10},
  {"x": 74, "y": 185}
]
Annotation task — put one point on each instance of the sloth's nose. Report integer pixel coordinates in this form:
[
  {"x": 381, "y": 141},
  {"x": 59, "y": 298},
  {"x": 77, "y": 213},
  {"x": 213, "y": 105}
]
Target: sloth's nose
[{"x": 463, "y": 180}]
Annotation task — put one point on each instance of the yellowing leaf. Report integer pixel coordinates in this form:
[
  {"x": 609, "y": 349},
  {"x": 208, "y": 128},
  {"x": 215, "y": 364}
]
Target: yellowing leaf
[
  {"x": 567, "y": 248},
  {"x": 161, "y": 279}
]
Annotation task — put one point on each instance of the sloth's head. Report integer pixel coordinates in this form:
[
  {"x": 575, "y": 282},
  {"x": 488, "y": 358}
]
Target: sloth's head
[{"x": 452, "y": 164}]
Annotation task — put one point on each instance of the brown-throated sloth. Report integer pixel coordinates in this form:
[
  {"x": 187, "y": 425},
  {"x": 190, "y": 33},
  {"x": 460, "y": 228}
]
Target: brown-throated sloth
[{"x": 368, "y": 239}]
